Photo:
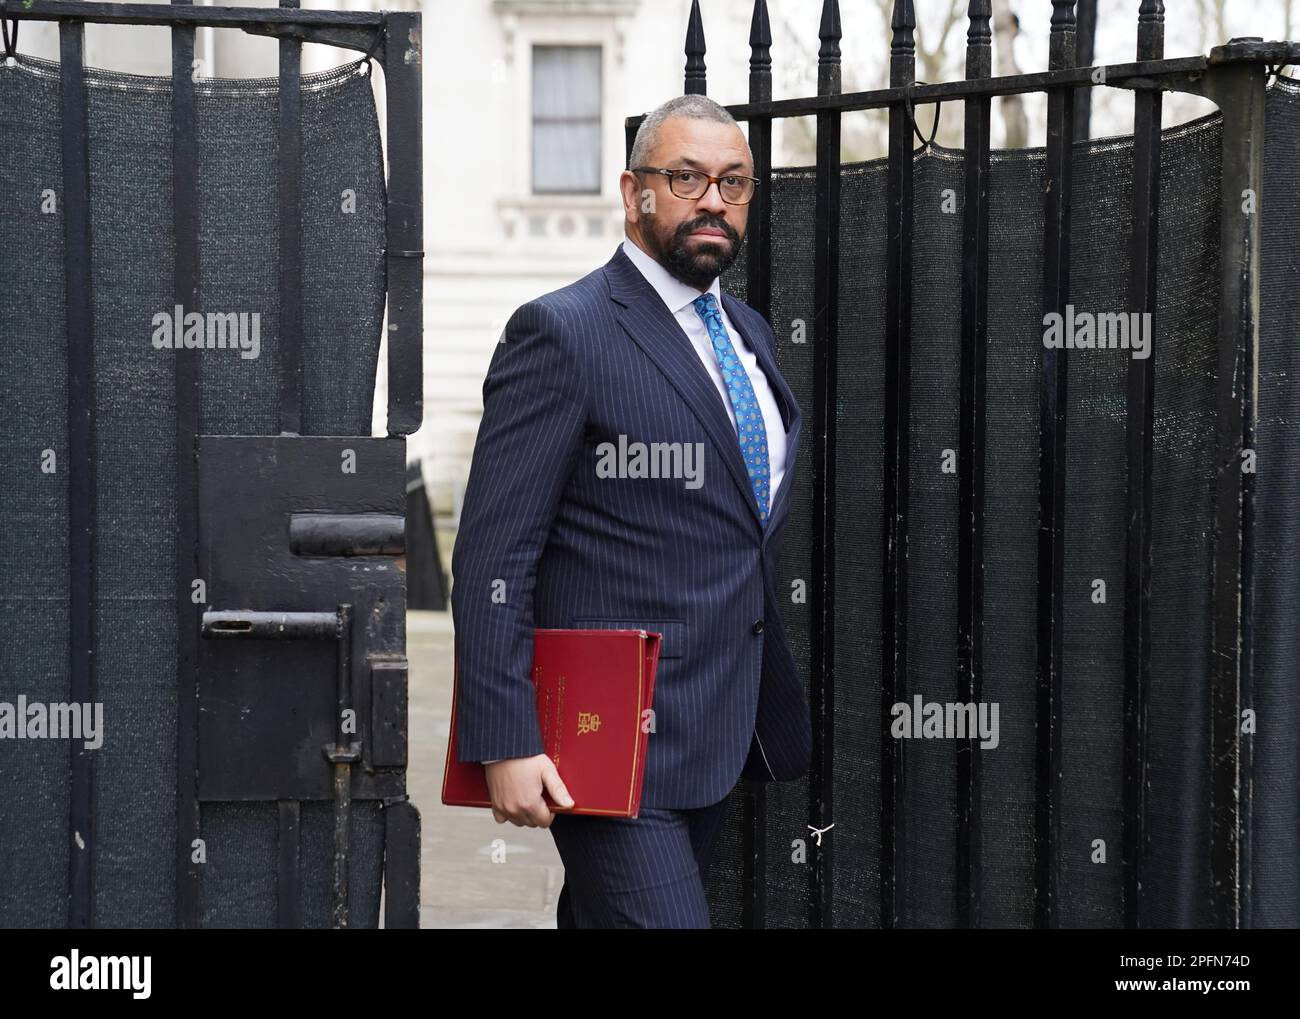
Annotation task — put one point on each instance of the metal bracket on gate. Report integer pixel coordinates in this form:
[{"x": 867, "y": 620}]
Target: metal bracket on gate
[
  {"x": 369, "y": 41},
  {"x": 343, "y": 753},
  {"x": 1253, "y": 49}
]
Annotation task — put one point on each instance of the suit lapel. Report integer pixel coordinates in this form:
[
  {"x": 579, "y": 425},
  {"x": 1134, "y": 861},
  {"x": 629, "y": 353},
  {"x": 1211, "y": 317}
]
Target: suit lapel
[{"x": 653, "y": 328}]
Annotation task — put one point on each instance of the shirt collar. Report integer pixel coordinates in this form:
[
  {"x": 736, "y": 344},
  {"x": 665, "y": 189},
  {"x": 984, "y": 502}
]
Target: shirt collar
[{"x": 675, "y": 294}]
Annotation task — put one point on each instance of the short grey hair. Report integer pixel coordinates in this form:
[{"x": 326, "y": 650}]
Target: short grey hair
[{"x": 693, "y": 107}]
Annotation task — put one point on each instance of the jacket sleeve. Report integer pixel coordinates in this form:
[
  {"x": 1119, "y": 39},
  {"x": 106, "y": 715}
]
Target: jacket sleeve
[{"x": 529, "y": 442}]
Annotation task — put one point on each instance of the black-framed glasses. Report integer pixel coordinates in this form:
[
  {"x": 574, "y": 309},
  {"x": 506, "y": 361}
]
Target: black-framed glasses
[{"x": 735, "y": 189}]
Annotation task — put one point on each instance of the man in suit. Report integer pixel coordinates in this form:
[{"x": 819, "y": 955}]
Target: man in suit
[{"x": 646, "y": 349}]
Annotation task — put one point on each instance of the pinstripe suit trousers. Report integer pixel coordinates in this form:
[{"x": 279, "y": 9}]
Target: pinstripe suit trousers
[{"x": 647, "y": 871}]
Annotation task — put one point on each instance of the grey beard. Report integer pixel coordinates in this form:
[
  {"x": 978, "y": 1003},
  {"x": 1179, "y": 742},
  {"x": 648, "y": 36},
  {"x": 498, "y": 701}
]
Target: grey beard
[{"x": 696, "y": 270}]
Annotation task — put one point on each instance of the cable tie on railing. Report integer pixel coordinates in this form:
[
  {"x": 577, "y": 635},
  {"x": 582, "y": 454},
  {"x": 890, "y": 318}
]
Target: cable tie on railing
[
  {"x": 1276, "y": 70},
  {"x": 911, "y": 116},
  {"x": 10, "y": 41},
  {"x": 369, "y": 58}
]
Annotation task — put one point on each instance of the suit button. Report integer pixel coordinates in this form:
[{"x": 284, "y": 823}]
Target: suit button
[{"x": 758, "y": 626}]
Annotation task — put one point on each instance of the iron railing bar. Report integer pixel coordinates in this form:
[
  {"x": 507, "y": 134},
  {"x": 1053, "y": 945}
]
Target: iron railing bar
[
  {"x": 289, "y": 210},
  {"x": 288, "y": 875},
  {"x": 401, "y": 865},
  {"x": 1053, "y": 398},
  {"x": 897, "y": 374},
  {"x": 1245, "y": 747},
  {"x": 695, "y": 82},
  {"x": 179, "y": 13},
  {"x": 344, "y": 754},
  {"x": 1133, "y": 76},
  {"x": 1139, "y": 427},
  {"x": 80, "y": 335},
  {"x": 1239, "y": 93},
  {"x": 970, "y": 457},
  {"x": 826, "y": 279},
  {"x": 185, "y": 218},
  {"x": 758, "y": 294},
  {"x": 405, "y": 222}
]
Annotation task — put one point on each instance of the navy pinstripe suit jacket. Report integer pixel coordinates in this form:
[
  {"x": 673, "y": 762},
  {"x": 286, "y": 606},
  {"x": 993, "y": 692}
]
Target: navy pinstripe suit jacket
[{"x": 546, "y": 542}]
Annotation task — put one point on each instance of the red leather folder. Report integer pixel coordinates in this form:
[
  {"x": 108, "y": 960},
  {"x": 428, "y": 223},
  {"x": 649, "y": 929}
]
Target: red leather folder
[{"x": 594, "y": 689}]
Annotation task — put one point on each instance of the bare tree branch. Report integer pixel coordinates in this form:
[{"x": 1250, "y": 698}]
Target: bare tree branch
[
  {"x": 1213, "y": 22},
  {"x": 1006, "y": 26},
  {"x": 1288, "y": 22},
  {"x": 860, "y": 137},
  {"x": 934, "y": 59}
]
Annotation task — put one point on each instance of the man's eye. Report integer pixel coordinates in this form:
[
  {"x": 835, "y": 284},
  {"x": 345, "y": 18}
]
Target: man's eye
[
  {"x": 733, "y": 182},
  {"x": 685, "y": 176}
]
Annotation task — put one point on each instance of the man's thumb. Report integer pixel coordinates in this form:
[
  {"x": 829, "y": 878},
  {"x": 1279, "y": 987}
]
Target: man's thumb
[{"x": 553, "y": 784}]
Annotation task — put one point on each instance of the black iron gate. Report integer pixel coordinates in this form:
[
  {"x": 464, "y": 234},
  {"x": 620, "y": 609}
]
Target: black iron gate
[
  {"x": 218, "y": 572},
  {"x": 1147, "y": 765}
]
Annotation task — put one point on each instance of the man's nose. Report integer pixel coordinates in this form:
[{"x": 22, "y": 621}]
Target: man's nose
[{"x": 711, "y": 200}]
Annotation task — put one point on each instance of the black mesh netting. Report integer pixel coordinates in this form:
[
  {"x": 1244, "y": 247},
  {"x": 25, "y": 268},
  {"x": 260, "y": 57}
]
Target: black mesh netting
[
  {"x": 1176, "y": 891},
  {"x": 130, "y": 153}
]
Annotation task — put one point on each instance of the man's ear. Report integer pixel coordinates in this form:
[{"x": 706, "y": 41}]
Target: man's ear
[{"x": 629, "y": 189}]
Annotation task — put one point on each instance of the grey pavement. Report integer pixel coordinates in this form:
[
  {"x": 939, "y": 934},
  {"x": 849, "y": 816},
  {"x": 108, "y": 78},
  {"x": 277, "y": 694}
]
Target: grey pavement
[{"x": 473, "y": 871}]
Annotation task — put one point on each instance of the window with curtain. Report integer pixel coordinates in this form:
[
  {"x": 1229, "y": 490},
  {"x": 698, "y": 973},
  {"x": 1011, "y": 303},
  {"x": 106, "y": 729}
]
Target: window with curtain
[{"x": 566, "y": 119}]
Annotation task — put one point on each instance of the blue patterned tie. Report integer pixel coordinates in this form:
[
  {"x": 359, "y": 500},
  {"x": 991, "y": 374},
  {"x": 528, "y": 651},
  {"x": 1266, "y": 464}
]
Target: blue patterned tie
[{"x": 751, "y": 430}]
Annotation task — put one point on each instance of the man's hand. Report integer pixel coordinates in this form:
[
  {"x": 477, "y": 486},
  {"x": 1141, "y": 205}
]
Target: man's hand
[{"x": 515, "y": 785}]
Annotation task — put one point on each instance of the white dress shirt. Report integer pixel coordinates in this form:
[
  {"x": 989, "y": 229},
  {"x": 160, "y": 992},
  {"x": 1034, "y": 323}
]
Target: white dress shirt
[{"x": 679, "y": 298}]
